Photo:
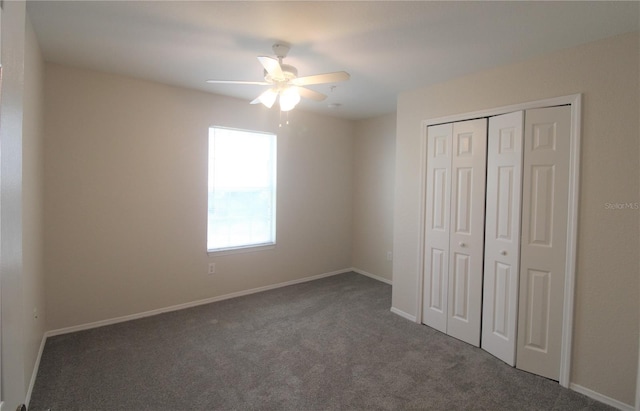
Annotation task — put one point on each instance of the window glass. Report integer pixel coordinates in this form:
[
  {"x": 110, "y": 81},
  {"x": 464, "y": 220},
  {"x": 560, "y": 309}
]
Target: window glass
[{"x": 242, "y": 189}]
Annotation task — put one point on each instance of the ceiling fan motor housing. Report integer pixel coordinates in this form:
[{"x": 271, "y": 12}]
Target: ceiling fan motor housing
[
  {"x": 288, "y": 71},
  {"x": 281, "y": 50}
]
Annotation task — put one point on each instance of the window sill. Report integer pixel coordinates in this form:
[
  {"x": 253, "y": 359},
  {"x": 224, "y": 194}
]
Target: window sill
[{"x": 241, "y": 250}]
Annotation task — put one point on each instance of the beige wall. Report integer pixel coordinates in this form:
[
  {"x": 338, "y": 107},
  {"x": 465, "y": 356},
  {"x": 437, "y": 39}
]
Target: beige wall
[
  {"x": 126, "y": 200},
  {"x": 11, "y": 122},
  {"x": 605, "y": 349},
  {"x": 373, "y": 181},
  {"x": 32, "y": 203},
  {"x": 21, "y": 222}
]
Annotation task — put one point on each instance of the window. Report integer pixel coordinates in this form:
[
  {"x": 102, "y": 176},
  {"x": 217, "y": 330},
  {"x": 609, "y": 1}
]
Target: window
[{"x": 242, "y": 189}]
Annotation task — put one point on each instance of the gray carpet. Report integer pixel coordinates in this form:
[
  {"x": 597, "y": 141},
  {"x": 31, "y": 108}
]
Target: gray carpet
[{"x": 330, "y": 344}]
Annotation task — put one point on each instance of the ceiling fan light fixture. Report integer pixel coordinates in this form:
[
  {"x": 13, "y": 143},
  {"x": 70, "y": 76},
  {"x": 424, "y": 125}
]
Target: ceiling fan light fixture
[
  {"x": 289, "y": 98},
  {"x": 268, "y": 97},
  {"x": 284, "y": 81}
]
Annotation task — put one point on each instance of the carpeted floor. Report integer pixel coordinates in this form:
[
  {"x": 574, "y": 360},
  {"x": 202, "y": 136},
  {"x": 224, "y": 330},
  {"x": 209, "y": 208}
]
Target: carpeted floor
[{"x": 330, "y": 344}]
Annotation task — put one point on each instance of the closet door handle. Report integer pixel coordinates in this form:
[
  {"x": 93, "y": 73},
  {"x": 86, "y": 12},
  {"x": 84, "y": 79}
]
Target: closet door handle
[
  {"x": 461, "y": 244},
  {"x": 503, "y": 252}
]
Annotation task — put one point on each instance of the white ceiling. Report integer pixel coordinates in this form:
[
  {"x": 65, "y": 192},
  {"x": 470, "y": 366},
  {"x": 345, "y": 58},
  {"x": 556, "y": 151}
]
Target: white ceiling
[{"x": 387, "y": 46}]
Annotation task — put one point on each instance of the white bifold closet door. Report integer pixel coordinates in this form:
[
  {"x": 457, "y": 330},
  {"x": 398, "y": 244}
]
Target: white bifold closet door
[
  {"x": 525, "y": 254},
  {"x": 502, "y": 236},
  {"x": 543, "y": 253},
  {"x": 437, "y": 221},
  {"x": 454, "y": 232},
  {"x": 506, "y": 267}
]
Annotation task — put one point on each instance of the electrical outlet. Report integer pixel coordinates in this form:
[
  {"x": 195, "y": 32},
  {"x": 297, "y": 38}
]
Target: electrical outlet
[
  {"x": 389, "y": 256},
  {"x": 212, "y": 268}
]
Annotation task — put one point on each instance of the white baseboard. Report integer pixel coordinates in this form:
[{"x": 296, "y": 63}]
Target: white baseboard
[
  {"x": 375, "y": 277},
  {"x": 602, "y": 398},
  {"x": 403, "y": 314},
  {"x": 34, "y": 373},
  {"x": 150, "y": 313},
  {"x": 637, "y": 383}
]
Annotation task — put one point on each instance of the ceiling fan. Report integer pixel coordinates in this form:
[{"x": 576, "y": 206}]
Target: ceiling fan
[{"x": 284, "y": 81}]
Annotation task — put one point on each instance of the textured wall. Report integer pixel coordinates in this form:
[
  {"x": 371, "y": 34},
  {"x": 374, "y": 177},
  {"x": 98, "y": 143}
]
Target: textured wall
[{"x": 605, "y": 338}]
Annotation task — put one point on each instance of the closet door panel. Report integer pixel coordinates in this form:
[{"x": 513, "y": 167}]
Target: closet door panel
[
  {"x": 502, "y": 236},
  {"x": 437, "y": 220},
  {"x": 544, "y": 239},
  {"x": 468, "y": 168}
]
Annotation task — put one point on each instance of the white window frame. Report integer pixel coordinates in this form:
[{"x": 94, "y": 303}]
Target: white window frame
[{"x": 270, "y": 186}]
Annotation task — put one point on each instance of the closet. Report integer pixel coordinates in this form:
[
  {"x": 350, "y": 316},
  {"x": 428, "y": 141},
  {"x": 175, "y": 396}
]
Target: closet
[
  {"x": 495, "y": 234},
  {"x": 455, "y": 227}
]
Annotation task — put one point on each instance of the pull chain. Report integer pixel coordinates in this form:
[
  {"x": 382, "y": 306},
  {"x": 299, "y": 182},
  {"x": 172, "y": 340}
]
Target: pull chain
[{"x": 286, "y": 119}]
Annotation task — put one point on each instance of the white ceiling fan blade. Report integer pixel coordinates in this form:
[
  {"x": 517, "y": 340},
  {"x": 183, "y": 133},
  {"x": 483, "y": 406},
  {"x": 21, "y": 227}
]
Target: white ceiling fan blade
[
  {"x": 259, "y": 83},
  {"x": 272, "y": 66},
  {"x": 267, "y": 98},
  {"x": 322, "y": 78},
  {"x": 311, "y": 94}
]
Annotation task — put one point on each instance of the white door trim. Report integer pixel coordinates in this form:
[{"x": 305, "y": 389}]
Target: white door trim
[{"x": 575, "y": 100}]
